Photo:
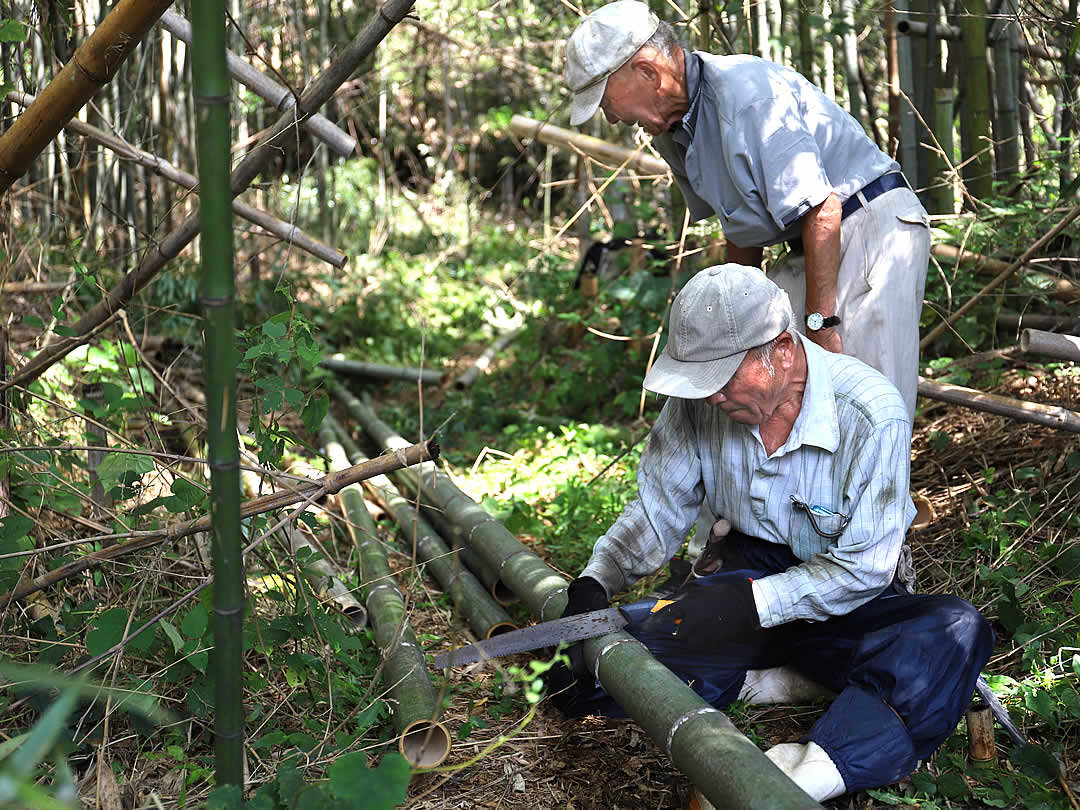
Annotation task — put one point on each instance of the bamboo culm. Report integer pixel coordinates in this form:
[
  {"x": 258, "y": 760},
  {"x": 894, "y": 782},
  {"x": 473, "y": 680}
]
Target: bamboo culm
[{"x": 422, "y": 740}]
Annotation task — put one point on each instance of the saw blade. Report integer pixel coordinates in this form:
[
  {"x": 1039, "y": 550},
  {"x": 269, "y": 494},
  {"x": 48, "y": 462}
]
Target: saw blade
[{"x": 545, "y": 634}]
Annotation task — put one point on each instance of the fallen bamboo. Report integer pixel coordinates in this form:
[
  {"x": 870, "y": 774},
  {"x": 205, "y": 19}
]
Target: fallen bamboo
[
  {"x": 704, "y": 744},
  {"x": 422, "y": 740},
  {"x": 328, "y": 485},
  {"x": 595, "y": 148},
  {"x": 1017, "y": 322},
  {"x": 1049, "y": 344},
  {"x": 30, "y": 287},
  {"x": 969, "y": 360},
  {"x": 377, "y": 371},
  {"x": 1001, "y": 277},
  {"x": 284, "y": 231},
  {"x": 1063, "y": 288},
  {"x": 383, "y": 436},
  {"x": 267, "y": 89},
  {"x": 483, "y": 362},
  {"x": 470, "y": 598},
  {"x": 1049, "y": 415},
  {"x": 91, "y": 68},
  {"x": 323, "y": 575},
  {"x": 278, "y": 137}
]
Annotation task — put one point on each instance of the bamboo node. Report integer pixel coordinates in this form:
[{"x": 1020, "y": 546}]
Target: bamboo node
[
  {"x": 548, "y": 598},
  {"x": 690, "y": 715},
  {"x": 612, "y": 645}
]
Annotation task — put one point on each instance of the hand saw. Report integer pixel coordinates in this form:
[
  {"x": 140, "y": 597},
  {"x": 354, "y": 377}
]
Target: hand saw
[
  {"x": 600, "y": 622},
  {"x": 549, "y": 634}
]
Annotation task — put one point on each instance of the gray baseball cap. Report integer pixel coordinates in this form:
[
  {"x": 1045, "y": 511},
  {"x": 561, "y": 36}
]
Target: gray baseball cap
[
  {"x": 601, "y": 44},
  {"x": 721, "y": 313}
]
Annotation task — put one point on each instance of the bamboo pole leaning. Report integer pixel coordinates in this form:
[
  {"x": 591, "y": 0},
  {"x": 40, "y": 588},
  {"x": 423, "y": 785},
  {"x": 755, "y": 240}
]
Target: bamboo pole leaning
[
  {"x": 282, "y": 98},
  {"x": 1016, "y": 321},
  {"x": 1063, "y": 288},
  {"x": 91, "y": 68},
  {"x": 284, "y": 231},
  {"x": 378, "y": 371},
  {"x": 278, "y": 137},
  {"x": 422, "y": 739},
  {"x": 311, "y": 490},
  {"x": 596, "y": 148},
  {"x": 1050, "y": 415}
]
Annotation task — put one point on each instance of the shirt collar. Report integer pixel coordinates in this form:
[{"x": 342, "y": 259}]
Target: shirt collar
[
  {"x": 817, "y": 423},
  {"x": 692, "y": 63}
]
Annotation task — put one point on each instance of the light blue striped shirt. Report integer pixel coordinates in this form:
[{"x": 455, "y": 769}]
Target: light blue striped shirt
[{"x": 848, "y": 452}]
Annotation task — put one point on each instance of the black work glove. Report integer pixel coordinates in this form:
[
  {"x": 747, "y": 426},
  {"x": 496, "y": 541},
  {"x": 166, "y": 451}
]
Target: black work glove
[
  {"x": 705, "y": 614},
  {"x": 584, "y": 594}
]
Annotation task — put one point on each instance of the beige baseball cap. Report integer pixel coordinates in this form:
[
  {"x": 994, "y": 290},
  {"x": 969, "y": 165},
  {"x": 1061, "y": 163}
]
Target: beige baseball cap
[
  {"x": 601, "y": 44},
  {"x": 721, "y": 313}
]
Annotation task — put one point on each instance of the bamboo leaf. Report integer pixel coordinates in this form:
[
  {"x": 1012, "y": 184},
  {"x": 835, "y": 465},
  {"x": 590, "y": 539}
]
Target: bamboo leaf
[{"x": 173, "y": 635}]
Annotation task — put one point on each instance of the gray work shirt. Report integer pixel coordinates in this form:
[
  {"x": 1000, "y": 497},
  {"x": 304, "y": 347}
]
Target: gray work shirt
[{"x": 760, "y": 146}]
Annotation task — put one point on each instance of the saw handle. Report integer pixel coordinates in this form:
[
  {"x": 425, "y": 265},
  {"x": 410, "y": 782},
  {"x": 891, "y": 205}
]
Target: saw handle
[{"x": 637, "y": 612}]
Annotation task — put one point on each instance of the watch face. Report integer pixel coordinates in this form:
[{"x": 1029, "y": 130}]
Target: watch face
[{"x": 814, "y": 321}]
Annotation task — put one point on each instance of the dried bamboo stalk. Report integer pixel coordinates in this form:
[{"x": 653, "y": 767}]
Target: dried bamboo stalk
[
  {"x": 595, "y": 148},
  {"x": 330, "y": 484},
  {"x": 1049, "y": 415},
  {"x": 324, "y": 576},
  {"x": 1016, "y": 321},
  {"x": 483, "y": 362},
  {"x": 91, "y": 68},
  {"x": 267, "y": 89},
  {"x": 282, "y": 230},
  {"x": 987, "y": 264},
  {"x": 378, "y": 371}
]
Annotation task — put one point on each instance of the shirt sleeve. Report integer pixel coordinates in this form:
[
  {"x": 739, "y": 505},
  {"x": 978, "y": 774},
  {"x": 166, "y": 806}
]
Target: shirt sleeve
[
  {"x": 862, "y": 561},
  {"x": 670, "y": 491},
  {"x": 778, "y": 159}
]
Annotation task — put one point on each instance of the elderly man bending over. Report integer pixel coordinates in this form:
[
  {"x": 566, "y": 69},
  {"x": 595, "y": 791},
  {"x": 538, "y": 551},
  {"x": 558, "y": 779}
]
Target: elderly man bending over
[{"x": 806, "y": 452}]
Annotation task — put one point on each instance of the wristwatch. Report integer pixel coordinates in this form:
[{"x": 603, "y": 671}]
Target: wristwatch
[{"x": 815, "y": 321}]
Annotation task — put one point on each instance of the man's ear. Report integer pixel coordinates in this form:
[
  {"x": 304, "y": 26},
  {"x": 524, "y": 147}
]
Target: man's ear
[{"x": 784, "y": 351}]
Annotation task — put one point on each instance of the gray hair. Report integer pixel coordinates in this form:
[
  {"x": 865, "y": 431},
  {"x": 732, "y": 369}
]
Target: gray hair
[
  {"x": 764, "y": 354},
  {"x": 664, "y": 40}
]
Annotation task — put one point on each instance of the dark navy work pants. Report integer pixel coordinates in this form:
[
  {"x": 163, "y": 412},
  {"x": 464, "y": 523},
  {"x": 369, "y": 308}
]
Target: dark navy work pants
[{"x": 903, "y": 667}]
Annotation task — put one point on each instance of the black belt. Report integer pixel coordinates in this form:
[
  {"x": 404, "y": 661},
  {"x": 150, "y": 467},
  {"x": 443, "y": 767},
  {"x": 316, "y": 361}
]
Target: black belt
[{"x": 871, "y": 191}]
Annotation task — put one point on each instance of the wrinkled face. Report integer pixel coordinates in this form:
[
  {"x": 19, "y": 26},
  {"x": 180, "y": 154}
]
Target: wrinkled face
[
  {"x": 633, "y": 96},
  {"x": 751, "y": 395}
]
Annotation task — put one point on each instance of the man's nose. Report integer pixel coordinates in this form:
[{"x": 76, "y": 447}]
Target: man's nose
[{"x": 611, "y": 119}]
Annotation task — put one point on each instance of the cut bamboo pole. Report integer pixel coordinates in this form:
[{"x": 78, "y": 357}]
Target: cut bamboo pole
[
  {"x": 324, "y": 576},
  {"x": 483, "y": 362},
  {"x": 267, "y": 89},
  {"x": 598, "y": 149},
  {"x": 731, "y": 771},
  {"x": 487, "y": 570},
  {"x": 1049, "y": 415},
  {"x": 377, "y": 371},
  {"x": 422, "y": 739},
  {"x": 282, "y": 230},
  {"x": 327, "y": 485},
  {"x": 470, "y": 598},
  {"x": 91, "y": 68},
  {"x": 278, "y": 137},
  {"x": 1050, "y": 344}
]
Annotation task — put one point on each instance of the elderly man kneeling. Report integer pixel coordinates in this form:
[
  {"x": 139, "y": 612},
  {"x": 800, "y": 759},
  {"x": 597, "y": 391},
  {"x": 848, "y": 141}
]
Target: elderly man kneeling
[{"x": 806, "y": 453}]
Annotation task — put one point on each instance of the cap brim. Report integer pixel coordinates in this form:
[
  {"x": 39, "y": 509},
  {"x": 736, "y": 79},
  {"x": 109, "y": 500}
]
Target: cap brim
[
  {"x": 586, "y": 101},
  {"x": 691, "y": 380}
]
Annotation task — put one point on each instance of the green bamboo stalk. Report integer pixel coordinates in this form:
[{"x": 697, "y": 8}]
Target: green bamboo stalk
[
  {"x": 422, "y": 740},
  {"x": 210, "y": 79},
  {"x": 471, "y": 598}
]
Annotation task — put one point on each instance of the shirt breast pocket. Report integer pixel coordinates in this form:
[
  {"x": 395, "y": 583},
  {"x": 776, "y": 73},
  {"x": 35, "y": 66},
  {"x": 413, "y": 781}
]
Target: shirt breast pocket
[{"x": 814, "y": 521}]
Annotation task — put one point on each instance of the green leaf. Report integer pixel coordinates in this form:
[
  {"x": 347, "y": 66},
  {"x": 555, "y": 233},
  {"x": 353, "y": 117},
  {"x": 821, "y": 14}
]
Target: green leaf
[
  {"x": 107, "y": 630},
  {"x": 952, "y": 785},
  {"x": 172, "y": 634},
  {"x": 15, "y": 527},
  {"x": 123, "y": 469},
  {"x": 225, "y": 797},
  {"x": 275, "y": 329},
  {"x": 924, "y": 783},
  {"x": 13, "y": 31},
  {"x": 1035, "y": 762},
  {"x": 32, "y": 321},
  {"x": 185, "y": 495},
  {"x": 380, "y": 789},
  {"x": 195, "y": 622},
  {"x": 65, "y": 331}
]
